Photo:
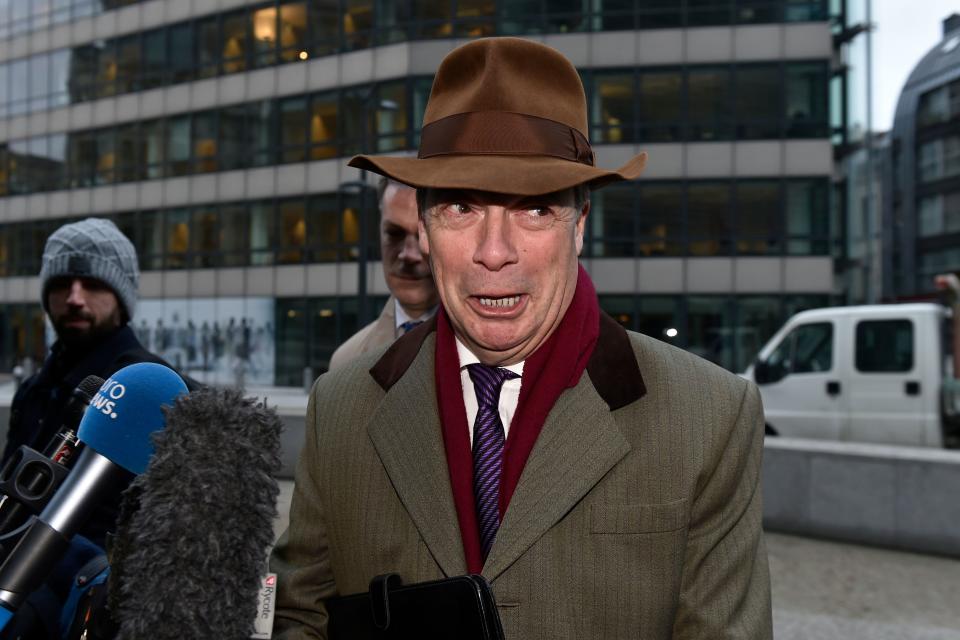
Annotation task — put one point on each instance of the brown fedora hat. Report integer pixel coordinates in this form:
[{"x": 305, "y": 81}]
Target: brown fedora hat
[{"x": 506, "y": 115}]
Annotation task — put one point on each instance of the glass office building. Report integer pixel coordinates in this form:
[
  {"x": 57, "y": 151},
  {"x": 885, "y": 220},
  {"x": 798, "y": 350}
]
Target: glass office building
[
  {"x": 215, "y": 134},
  {"x": 923, "y": 188}
]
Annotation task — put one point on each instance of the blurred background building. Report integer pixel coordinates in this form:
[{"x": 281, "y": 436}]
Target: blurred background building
[
  {"x": 215, "y": 134},
  {"x": 921, "y": 198}
]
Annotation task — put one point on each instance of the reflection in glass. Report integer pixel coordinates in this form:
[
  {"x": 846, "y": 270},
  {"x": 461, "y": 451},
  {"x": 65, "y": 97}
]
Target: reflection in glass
[
  {"x": 806, "y": 100},
  {"x": 293, "y": 129},
  {"x": 708, "y": 218},
  {"x": 59, "y": 78},
  {"x": 323, "y": 229},
  {"x": 208, "y": 47},
  {"x": 759, "y": 96},
  {"x": 151, "y": 229},
  {"x": 325, "y": 26},
  {"x": 154, "y": 58},
  {"x": 39, "y": 81},
  {"x": 82, "y": 155},
  {"x": 233, "y": 140},
  {"x": 178, "y": 146},
  {"x": 154, "y": 146},
  {"x": 660, "y": 103},
  {"x": 712, "y": 334},
  {"x": 181, "y": 52},
  {"x": 106, "y": 68},
  {"x": 708, "y": 104},
  {"x": 234, "y": 52},
  {"x": 4, "y": 91},
  {"x": 263, "y": 26},
  {"x": 611, "y": 221},
  {"x": 128, "y": 64},
  {"x": 660, "y": 220},
  {"x": 758, "y": 218},
  {"x": 391, "y": 117},
  {"x": 19, "y": 86},
  {"x": 234, "y": 235},
  {"x": 293, "y": 231},
  {"x": 293, "y": 31},
  {"x": 261, "y": 233},
  {"x": 323, "y": 126},
  {"x": 432, "y": 18},
  {"x": 177, "y": 228},
  {"x": 612, "y": 108},
  {"x": 205, "y": 142},
  {"x": 129, "y": 153},
  {"x": 106, "y": 156},
  {"x": 205, "y": 247}
]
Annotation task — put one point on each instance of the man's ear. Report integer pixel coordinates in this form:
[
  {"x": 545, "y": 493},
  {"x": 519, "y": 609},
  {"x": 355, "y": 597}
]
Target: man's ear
[
  {"x": 422, "y": 238},
  {"x": 581, "y": 226}
]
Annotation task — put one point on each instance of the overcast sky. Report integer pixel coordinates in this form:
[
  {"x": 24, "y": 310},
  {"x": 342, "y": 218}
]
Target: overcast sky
[{"x": 905, "y": 31}]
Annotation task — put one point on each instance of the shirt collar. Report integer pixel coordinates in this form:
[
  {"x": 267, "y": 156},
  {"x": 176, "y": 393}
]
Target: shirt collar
[
  {"x": 467, "y": 357},
  {"x": 402, "y": 316}
]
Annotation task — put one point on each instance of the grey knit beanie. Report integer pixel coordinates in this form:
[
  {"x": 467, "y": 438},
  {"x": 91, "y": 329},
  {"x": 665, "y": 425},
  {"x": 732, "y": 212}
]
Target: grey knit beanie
[{"x": 93, "y": 248}]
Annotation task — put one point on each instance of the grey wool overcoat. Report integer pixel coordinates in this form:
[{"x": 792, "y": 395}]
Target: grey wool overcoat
[{"x": 637, "y": 515}]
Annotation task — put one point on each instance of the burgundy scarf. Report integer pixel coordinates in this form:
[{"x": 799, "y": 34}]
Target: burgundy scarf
[{"x": 555, "y": 366}]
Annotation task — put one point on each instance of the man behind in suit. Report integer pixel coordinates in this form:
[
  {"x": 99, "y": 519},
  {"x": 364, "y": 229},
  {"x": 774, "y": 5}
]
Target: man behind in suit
[
  {"x": 413, "y": 296},
  {"x": 605, "y": 484}
]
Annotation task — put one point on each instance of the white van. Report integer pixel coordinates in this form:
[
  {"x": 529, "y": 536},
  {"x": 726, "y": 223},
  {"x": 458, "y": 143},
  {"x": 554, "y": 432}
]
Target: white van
[{"x": 875, "y": 373}]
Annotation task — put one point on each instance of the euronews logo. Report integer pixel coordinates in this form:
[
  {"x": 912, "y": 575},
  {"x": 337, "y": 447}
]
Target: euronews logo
[{"x": 106, "y": 399}]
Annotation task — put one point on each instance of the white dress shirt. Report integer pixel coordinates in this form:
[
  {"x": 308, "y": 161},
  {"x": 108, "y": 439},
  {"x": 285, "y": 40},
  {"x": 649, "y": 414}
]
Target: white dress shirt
[
  {"x": 401, "y": 316},
  {"x": 509, "y": 393}
]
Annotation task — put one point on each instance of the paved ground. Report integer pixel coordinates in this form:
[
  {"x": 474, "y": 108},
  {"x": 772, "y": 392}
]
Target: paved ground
[{"x": 832, "y": 591}]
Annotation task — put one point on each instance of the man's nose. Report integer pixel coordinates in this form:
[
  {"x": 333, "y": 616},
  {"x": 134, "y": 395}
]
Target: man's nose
[
  {"x": 495, "y": 248},
  {"x": 77, "y": 297},
  {"x": 410, "y": 251}
]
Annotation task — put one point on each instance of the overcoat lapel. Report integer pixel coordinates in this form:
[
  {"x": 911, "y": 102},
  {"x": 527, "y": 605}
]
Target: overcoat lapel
[
  {"x": 579, "y": 443},
  {"x": 405, "y": 431}
]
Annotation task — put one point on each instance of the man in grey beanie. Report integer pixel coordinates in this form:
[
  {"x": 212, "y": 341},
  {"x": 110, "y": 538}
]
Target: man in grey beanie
[{"x": 89, "y": 278}]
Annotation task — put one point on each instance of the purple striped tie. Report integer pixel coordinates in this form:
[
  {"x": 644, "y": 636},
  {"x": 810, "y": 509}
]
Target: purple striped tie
[{"x": 488, "y": 449}]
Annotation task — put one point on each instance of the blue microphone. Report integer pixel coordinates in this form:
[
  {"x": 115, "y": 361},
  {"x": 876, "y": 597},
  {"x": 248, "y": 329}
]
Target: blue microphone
[{"x": 115, "y": 430}]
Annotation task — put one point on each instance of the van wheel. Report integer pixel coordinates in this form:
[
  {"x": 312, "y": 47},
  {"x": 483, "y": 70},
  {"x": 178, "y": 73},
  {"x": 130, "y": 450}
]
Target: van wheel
[{"x": 769, "y": 431}]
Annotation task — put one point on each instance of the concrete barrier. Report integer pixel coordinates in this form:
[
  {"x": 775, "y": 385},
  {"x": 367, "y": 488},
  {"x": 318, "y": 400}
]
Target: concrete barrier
[{"x": 901, "y": 497}]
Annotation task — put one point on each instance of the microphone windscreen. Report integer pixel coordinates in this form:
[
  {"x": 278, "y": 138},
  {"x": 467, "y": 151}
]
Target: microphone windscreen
[
  {"x": 127, "y": 410},
  {"x": 189, "y": 559}
]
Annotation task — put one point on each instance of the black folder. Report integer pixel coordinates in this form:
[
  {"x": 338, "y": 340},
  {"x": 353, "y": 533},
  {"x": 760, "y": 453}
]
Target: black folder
[{"x": 461, "y": 607}]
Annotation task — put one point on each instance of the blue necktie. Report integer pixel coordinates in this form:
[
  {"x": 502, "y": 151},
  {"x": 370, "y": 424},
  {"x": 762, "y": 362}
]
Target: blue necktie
[
  {"x": 488, "y": 439},
  {"x": 408, "y": 325}
]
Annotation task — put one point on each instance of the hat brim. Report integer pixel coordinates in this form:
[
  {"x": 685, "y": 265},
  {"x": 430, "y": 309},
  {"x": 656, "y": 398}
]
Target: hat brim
[{"x": 519, "y": 175}]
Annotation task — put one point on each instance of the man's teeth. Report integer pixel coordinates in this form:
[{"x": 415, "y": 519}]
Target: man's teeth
[{"x": 500, "y": 302}]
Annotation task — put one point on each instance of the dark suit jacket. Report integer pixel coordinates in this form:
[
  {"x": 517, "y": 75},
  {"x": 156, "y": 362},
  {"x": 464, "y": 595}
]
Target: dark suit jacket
[{"x": 637, "y": 515}]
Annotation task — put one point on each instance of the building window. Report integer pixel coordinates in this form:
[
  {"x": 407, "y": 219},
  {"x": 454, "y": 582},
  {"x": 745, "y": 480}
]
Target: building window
[
  {"x": 709, "y": 218},
  {"x": 292, "y": 25},
  {"x": 323, "y": 126},
  {"x": 293, "y": 231},
  {"x": 759, "y": 218},
  {"x": 708, "y": 104},
  {"x": 661, "y": 106},
  {"x": 613, "y": 103},
  {"x": 233, "y": 47},
  {"x": 293, "y": 129},
  {"x": 612, "y": 217}
]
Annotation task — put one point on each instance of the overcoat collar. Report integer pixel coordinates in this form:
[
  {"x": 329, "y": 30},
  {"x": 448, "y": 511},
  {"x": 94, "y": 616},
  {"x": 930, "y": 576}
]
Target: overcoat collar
[{"x": 561, "y": 469}]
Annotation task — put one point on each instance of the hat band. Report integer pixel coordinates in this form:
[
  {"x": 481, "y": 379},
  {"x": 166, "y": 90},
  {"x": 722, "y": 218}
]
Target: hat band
[{"x": 503, "y": 133}]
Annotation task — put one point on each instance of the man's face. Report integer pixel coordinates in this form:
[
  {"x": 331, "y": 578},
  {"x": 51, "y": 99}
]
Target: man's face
[
  {"x": 82, "y": 309},
  {"x": 505, "y": 266},
  {"x": 404, "y": 266}
]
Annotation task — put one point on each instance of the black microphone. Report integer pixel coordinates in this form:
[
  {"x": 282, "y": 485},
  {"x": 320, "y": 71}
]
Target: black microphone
[
  {"x": 115, "y": 430},
  {"x": 195, "y": 527},
  {"x": 30, "y": 478}
]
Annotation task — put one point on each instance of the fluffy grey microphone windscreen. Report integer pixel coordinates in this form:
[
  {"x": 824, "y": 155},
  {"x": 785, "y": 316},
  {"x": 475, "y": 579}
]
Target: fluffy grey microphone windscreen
[{"x": 191, "y": 543}]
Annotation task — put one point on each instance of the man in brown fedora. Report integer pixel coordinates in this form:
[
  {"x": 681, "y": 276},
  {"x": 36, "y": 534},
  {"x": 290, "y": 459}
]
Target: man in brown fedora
[{"x": 604, "y": 483}]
